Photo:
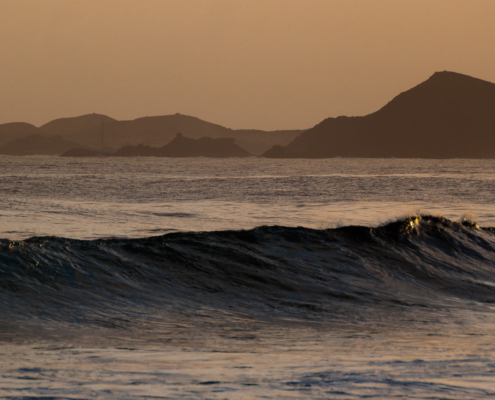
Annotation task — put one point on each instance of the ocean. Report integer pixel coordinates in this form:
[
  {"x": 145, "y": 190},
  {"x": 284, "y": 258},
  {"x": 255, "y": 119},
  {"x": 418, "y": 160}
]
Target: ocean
[{"x": 160, "y": 278}]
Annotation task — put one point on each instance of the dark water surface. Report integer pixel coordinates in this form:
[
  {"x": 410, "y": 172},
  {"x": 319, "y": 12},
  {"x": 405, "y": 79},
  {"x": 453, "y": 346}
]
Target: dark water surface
[{"x": 201, "y": 278}]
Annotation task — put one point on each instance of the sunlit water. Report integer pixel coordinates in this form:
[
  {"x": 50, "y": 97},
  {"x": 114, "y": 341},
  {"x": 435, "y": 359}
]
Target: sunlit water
[
  {"x": 137, "y": 197},
  {"x": 189, "y": 350},
  {"x": 295, "y": 363}
]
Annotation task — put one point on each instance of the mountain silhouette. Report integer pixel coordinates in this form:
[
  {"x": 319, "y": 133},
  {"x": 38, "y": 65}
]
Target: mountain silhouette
[
  {"x": 74, "y": 125},
  {"x": 160, "y": 130},
  {"x": 86, "y": 132},
  {"x": 182, "y": 146},
  {"x": 15, "y": 130},
  {"x": 37, "y": 145},
  {"x": 450, "y": 115}
]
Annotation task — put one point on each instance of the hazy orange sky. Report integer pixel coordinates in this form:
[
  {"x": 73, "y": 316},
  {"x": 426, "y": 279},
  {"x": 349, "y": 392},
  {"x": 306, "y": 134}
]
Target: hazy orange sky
[{"x": 269, "y": 64}]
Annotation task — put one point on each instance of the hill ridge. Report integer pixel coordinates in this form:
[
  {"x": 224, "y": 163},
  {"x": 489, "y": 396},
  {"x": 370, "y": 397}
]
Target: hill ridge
[{"x": 450, "y": 115}]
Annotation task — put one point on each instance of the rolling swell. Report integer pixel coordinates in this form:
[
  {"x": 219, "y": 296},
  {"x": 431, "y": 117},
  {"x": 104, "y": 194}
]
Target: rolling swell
[{"x": 419, "y": 263}]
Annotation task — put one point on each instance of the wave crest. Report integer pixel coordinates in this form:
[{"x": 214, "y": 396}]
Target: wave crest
[{"x": 353, "y": 272}]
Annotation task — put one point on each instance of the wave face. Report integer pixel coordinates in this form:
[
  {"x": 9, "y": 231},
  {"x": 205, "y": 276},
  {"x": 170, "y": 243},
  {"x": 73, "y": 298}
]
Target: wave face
[{"x": 419, "y": 264}]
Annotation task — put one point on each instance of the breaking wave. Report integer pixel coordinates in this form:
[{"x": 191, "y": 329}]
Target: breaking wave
[{"x": 343, "y": 274}]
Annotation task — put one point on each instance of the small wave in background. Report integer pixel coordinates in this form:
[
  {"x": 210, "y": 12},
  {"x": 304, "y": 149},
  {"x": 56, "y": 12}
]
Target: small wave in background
[{"x": 147, "y": 196}]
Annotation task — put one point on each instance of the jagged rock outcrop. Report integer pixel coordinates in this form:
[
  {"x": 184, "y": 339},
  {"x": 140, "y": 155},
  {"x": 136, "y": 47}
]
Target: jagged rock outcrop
[
  {"x": 181, "y": 146},
  {"x": 203, "y": 147}
]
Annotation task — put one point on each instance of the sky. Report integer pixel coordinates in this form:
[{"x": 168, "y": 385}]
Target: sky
[{"x": 265, "y": 64}]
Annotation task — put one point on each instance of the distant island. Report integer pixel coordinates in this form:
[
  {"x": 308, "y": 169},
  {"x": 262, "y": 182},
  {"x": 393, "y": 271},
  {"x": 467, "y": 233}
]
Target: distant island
[
  {"x": 37, "y": 144},
  {"x": 16, "y": 130},
  {"x": 180, "y": 146},
  {"x": 450, "y": 115},
  {"x": 85, "y": 132}
]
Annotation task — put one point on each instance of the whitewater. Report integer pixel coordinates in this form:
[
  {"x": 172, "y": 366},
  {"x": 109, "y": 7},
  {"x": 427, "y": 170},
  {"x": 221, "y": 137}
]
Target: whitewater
[{"x": 126, "y": 278}]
